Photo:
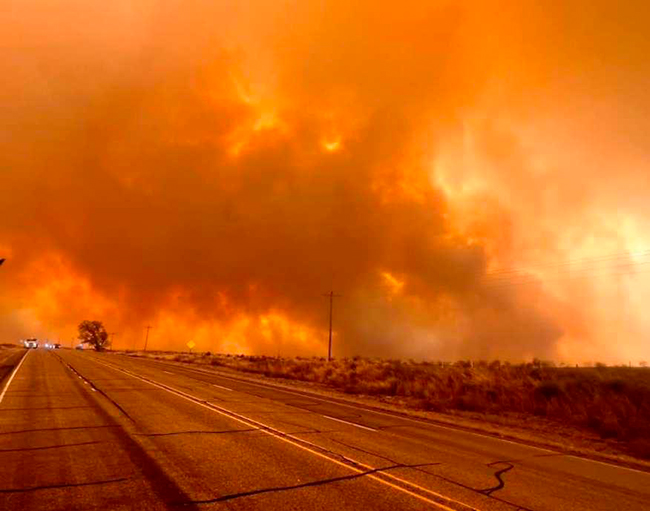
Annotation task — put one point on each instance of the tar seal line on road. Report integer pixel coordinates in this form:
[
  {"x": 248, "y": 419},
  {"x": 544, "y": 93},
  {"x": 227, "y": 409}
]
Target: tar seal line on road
[
  {"x": 361, "y": 468},
  {"x": 94, "y": 388},
  {"x": 163, "y": 486}
]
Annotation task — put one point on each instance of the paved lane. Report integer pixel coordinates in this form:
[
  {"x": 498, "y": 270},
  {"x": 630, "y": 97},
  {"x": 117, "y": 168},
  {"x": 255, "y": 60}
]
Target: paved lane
[
  {"x": 8, "y": 360},
  {"x": 77, "y": 434},
  {"x": 62, "y": 448},
  {"x": 480, "y": 471}
]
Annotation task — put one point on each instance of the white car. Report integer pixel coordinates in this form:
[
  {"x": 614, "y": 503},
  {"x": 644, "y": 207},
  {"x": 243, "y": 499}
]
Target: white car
[{"x": 31, "y": 343}]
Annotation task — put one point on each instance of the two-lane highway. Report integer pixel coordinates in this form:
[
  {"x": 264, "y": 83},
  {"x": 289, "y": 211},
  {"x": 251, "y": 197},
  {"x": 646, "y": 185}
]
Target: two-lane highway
[{"x": 101, "y": 431}]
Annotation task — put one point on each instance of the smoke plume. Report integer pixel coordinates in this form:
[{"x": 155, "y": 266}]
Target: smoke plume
[{"x": 213, "y": 168}]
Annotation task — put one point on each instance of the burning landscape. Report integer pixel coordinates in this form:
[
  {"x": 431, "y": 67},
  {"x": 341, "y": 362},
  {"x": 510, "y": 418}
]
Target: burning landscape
[
  {"x": 330, "y": 254},
  {"x": 472, "y": 180}
]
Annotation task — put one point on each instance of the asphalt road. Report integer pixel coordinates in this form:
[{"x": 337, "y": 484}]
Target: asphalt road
[
  {"x": 82, "y": 430},
  {"x": 8, "y": 360}
]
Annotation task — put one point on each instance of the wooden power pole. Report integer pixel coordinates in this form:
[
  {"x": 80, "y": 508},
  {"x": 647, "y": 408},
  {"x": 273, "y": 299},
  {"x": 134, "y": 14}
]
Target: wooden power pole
[
  {"x": 146, "y": 339},
  {"x": 331, "y": 296}
]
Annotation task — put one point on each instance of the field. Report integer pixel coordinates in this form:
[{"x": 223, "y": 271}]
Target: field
[{"x": 612, "y": 402}]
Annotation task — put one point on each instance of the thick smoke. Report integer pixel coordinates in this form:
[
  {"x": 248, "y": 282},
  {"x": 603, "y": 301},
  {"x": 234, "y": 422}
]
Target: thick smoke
[{"x": 212, "y": 169}]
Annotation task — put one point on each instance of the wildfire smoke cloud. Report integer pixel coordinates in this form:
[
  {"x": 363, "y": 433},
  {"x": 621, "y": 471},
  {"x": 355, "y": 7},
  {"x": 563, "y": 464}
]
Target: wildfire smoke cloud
[{"x": 212, "y": 168}]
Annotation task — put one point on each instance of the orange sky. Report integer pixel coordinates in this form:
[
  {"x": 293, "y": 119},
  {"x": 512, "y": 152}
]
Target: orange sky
[{"x": 211, "y": 168}]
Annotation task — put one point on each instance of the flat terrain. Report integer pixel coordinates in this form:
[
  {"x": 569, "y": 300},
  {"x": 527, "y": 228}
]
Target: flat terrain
[
  {"x": 82, "y": 430},
  {"x": 599, "y": 412}
]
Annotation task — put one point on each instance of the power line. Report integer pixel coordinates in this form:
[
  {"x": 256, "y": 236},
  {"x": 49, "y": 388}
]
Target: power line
[
  {"x": 531, "y": 279},
  {"x": 568, "y": 272},
  {"x": 595, "y": 266},
  {"x": 620, "y": 255},
  {"x": 625, "y": 256}
]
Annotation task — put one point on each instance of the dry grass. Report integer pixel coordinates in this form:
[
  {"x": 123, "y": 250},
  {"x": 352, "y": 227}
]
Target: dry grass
[{"x": 614, "y": 402}]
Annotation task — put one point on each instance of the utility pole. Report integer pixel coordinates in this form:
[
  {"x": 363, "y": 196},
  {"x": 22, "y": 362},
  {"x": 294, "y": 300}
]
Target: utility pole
[
  {"x": 331, "y": 296},
  {"x": 146, "y": 339}
]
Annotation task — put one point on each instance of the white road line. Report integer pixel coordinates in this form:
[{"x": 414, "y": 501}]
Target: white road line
[
  {"x": 13, "y": 374},
  {"x": 220, "y": 387},
  {"x": 298, "y": 442},
  {"x": 350, "y": 423},
  {"x": 167, "y": 372},
  {"x": 610, "y": 465},
  {"x": 422, "y": 422}
]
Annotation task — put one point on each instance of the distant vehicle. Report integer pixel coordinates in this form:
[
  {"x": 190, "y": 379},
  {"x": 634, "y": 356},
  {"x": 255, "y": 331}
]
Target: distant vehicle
[
  {"x": 56, "y": 346},
  {"x": 79, "y": 347},
  {"x": 30, "y": 343}
]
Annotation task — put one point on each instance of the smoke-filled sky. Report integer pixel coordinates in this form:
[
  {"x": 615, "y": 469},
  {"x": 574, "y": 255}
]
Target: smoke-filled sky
[{"x": 211, "y": 168}]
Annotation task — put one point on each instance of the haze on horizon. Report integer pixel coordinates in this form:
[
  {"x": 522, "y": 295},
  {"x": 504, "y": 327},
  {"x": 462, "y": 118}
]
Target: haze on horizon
[{"x": 212, "y": 168}]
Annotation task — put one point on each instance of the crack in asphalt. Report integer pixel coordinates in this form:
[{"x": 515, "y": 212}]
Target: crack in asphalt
[
  {"x": 316, "y": 432},
  {"x": 300, "y": 426},
  {"x": 142, "y": 457},
  {"x": 23, "y": 449},
  {"x": 487, "y": 492},
  {"x": 58, "y": 486},
  {"x": 44, "y": 408},
  {"x": 307, "y": 406},
  {"x": 198, "y": 432},
  {"x": 320, "y": 482},
  {"x": 58, "y": 429},
  {"x": 131, "y": 389},
  {"x": 509, "y": 465},
  {"x": 369, "y": 452},
  {"x": 466, "y": 487},
  {"x": 266, "y": 412},
  {"x": 498, "y": 475}
]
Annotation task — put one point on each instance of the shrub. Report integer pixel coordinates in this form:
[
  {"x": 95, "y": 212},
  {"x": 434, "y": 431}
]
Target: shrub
[{"x": 548, "y": 390}]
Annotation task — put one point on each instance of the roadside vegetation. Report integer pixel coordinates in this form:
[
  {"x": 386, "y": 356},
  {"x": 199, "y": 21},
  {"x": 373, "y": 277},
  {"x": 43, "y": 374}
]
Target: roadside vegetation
[{"x": 613, "y": 402}]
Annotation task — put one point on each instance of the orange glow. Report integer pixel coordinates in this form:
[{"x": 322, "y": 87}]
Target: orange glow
[
  {"x": 214, "y": 173},
  {"x": 331, "y": 146},
  {"x": 394, "y": 284}
]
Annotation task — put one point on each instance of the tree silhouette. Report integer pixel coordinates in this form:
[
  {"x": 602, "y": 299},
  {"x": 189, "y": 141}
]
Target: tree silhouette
[{"x": 93, "y": 333}]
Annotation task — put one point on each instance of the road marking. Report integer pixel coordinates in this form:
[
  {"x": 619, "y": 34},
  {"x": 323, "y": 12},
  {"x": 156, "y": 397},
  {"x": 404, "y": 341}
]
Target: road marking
[
  {"x": 420, "y": 421},
  {"x": 606, "y": 464},
  {"x": 220, "y": 387},
  {"x": 167, "y": 372},
  {"x": 350, "y": 423},
  {"x": 13, "y": 374},
  {"x": 298, "y": 442}
]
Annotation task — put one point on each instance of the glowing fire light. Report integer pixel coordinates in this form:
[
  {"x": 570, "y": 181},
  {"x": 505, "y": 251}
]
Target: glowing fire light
[
  {"x": 331, "y": 146},
  {"x": 394, "y": 284}
]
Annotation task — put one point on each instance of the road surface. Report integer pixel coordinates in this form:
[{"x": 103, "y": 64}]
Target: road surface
[{"x": 81, "y": 430}]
